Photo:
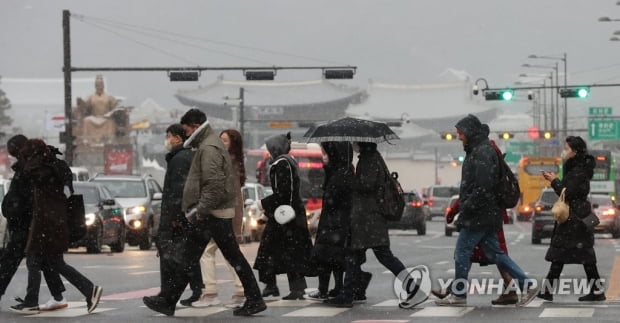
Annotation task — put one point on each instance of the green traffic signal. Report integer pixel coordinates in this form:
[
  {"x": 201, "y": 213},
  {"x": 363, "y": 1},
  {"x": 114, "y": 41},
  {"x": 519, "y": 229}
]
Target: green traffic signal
[
  {"x": 583, "y": 92},
  {"x": 507, "y": 95},
  {"x": 577, "y": 92},
  {"x": 504, "y": 95}
]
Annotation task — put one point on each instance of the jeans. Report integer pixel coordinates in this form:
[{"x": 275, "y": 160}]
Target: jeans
[
  {"x": 199, "y": 236},
  {"x": 12, "y": 257},
  {"x": 465, "y": 244},
  {"x": 56, "y": 263}
]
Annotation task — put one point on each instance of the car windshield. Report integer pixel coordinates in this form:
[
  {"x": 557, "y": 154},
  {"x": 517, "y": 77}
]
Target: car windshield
[
  {"x": 410, "y": 197},
  {"x": 601, "y": 200},
  {"x": 445, "y": 191},
  {"x": 89, "y": 194},
  {"x": 125, "y": 188},
  {"x": 249, "y": 193},
  {"x": 548, "y": 197}
]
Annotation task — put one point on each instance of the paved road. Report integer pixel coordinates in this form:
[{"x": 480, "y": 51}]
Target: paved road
[{"x": 128, "y": 276}]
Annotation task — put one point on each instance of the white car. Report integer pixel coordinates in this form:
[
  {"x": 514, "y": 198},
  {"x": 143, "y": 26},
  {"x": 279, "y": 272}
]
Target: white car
[
  {"x": 4, "y": 234},
  {"x": 251, "y": 230}
]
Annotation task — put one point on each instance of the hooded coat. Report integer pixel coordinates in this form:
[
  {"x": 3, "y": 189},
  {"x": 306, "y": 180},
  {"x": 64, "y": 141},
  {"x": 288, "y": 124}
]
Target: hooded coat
[
  {"x": 179, "y": 160},
  {"x": 368, "y": 227},
  {"x": 572, "y": 242},
  {"x": 334, "y": 224},
  {"x": 49, "y": 231},
  {"x": 284, "y": 248},
  {"x": 479, "y": 178},
  {"x": 17, "y": 203}
]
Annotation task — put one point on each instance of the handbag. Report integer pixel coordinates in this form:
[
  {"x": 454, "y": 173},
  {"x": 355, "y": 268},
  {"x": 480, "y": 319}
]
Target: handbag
[
  {"x": 285, "y": 212},
  {"x": 591, "y": 221},
  {"x": 560, "y": 209}
]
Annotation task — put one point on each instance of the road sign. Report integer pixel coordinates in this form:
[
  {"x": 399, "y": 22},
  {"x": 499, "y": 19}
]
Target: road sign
[
  {"x": 516, "y": 149},
  {"x": 600, "y": 111},
  {"x": 604, "y": 129}
]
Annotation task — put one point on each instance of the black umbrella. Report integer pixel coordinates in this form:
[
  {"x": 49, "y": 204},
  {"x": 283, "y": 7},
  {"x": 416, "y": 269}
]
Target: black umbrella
[{"x": 351, "y": 129}]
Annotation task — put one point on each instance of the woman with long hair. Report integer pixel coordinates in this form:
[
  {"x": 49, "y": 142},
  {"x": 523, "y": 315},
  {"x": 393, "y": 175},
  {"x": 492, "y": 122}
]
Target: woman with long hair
[
  {"x": 233, "y": 141},
  {"x": 572, "y": 242}
]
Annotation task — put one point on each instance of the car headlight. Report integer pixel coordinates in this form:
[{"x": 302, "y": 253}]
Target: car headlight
[
  {"x": 135, "y": 224},
  {"x": 136, "y": 209},
  {"x": 89, "y": 219},
  {"x": 252, "y": 212},
  {"x": 253, "y": 223}
]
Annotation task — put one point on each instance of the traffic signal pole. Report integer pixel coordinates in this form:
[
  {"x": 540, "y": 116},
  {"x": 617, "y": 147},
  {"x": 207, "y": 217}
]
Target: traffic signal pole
[{"x": 67, "y": 138}]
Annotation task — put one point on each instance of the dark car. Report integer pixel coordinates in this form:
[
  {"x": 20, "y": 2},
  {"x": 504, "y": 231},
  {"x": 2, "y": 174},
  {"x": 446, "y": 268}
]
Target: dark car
[
  {"x": 542, "y": 219},
  {"x": 607, "y": 212},
  {"x": 140, "y": 197},
  {"x": 414, "y": 214},
  {"x": 104, "y": 219}
]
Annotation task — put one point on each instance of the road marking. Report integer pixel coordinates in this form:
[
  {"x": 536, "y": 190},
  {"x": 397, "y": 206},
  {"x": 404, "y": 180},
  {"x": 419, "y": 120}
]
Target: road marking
[
  {"x": 111, "y": 267},
  {"x": 567, "y": 312},
  {"x": 388, "y": 303},
  {"x": 197, "y": 311},
  {"x": 447, "y": 311},
  {"x": 73, "y": 310},
  {"x": 132, "y": 295},
  {"x": 285, "y": 303},
  {"x": 380, "y": 321},
  {"x": 145, "y": 272},
  {"x": 613, "y": 290},
  {"x": 316, "y": 311},
  {"x": 442, "y": 262}
]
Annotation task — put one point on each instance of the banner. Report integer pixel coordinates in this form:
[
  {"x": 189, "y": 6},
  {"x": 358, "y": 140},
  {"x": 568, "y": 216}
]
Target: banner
[
  {"x": 54, "y": 121},
  {"x": 118, "y": 159}
]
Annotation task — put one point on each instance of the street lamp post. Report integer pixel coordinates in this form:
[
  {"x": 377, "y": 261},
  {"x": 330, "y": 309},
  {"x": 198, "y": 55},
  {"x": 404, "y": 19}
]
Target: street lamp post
[
  {"x": 554, "y": 107},
  {"x": 564, "y": 60}
]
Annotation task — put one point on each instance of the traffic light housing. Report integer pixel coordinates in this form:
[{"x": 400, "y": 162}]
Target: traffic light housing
[
  {"x": 503, "y": 95},
  {"x": 547, "y": 135},
  {"x": 576, "y": 92},
  {"x": 506, "y": 135},
  {"x": 448, "y": 136}
]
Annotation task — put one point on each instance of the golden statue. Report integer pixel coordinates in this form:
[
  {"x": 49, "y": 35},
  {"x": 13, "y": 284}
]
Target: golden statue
[{"x": 97, "y": 119}]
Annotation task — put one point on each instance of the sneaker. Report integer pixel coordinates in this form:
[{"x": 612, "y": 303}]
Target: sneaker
[
  {"x": 22, "y": 308},
  {"x": 506, "y": 299},
  {"x": 593, "y": 297},
  {"x": 294, "y": 295},
  {"x": 158, "y": 304},
  {"x": 316, "y": 296},
  {"x": 188, "y": 301},
  {"x": 250, "y": 307},
  {"x": 441, "y": 294},
  {"x": 236, "y": 301},
  {"x": 93, "y": 301},
  {"x": 339, "y": 301},
  {"x": 53, "y": 304},
  {"x": 528, "y": 296},
  {"x": 359, "y": 299},
  {"x": 207, "y": 300},
  {"x": 452, "y": 300}
]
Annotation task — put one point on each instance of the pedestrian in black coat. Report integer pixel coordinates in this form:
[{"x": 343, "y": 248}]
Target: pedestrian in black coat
[
  {"x": 328, "y": 254},
  {"x": 571, "y": 241},
  {"x": 173, "y": 223},
  {"x": 17, "y": 208},
  {"x": 284, "y": 248}
]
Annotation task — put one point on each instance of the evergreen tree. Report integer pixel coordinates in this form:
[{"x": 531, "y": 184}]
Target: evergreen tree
[{"x": 5, "y": 105}]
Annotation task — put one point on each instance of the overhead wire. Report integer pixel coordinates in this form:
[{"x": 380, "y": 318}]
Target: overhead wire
[{"x": 150, "y": 31}]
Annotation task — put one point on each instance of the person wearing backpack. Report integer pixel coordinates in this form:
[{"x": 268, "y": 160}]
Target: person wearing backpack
[
  {"x": 368, "y": 225},
  {"x": 480, "y": 215}
]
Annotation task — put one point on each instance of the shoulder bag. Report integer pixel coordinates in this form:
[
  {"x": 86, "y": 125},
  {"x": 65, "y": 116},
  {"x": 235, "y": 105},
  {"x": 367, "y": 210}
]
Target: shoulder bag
[
  {"x": 285, "y": 212},
  {"x": 560, "y": 209}
]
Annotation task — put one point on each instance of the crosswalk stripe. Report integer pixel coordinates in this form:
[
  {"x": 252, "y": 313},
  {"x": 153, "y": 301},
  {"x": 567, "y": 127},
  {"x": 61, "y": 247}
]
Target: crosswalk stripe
[
  {"x": 567, "y": 312},
  {"x": 388, "y": 303},
  {"x": 73, "y": 310},
  {"x": 316, "y": 311},
  {"x": 442, "y": 312},
  {"x": 285, "y": 303},
  {"x": 198, "y": 311}
]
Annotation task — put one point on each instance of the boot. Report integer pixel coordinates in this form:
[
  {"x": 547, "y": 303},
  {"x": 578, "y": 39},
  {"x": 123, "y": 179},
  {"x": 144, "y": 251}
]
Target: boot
[
  {"x": 546, "y": 295},
  {"x": 593, "y": 296},
  {"x": 359, "y": 292},
  {"x": 294, "y": 295},
  {"x": 506, "y": 299},
  {"x": 250, "y": 307},
  {"x": 271, "y": 290}
]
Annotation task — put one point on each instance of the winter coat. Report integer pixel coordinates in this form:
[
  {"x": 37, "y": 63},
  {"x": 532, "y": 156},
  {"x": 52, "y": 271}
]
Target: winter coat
[
  {"x": 49, "y": 232},
  {"x": 17, "y": 203},
  {"x": 284, "y": 248},
  {"x": 572, "y": 242},
  {"x": 210, "y": 185},
  {"x": 334, "y": 224},
  {"x": 368, "y": 227},
  {"x": 179, "y": 160},
  {"x": 479, "y": 179}
]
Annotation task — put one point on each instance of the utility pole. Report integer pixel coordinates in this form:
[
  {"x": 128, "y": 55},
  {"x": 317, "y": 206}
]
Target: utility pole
[
  {"x": 67, "y": 137},
  {"x": 241, "y": 108}
]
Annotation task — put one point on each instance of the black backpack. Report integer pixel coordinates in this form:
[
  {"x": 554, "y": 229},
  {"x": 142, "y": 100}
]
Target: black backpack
[
  {"x": 391, "y": 201},
  {"x": 508, "y": 191}
]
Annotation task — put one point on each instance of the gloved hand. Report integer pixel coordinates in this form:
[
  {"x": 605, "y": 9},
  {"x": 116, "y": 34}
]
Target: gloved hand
[{"x": 192, "y": 214}]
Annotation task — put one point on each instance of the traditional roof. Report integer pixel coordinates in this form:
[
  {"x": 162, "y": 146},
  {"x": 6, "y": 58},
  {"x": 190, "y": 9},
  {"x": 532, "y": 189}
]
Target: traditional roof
[{"x": 274, "y": 100}]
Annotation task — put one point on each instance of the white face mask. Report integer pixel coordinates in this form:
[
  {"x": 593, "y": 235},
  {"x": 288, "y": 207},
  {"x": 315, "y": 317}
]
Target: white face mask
[
  {"x": 566, "y": 154},
  {"x": 167, "y": 144}
]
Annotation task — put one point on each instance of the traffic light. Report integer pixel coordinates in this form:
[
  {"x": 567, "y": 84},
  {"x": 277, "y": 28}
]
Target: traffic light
[
  {"x": 448, "y": 136},
  {"x": 506, "y": 135},
  {"x": 576, "y": 92},
  {"x": 504, "y": 95},
  {"x": 547, "y": 135}
]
